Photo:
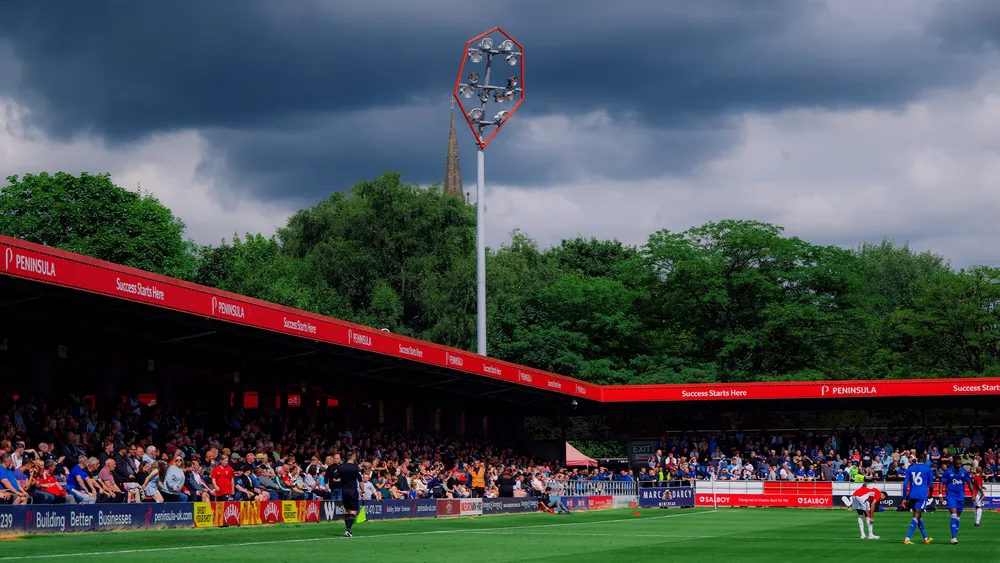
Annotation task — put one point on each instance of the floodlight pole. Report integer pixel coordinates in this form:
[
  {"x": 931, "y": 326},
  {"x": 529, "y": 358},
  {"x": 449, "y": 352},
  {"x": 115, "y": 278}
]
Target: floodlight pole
[
  {"x": 481, "y": 251},
  {"x": 481, "y": 227}
]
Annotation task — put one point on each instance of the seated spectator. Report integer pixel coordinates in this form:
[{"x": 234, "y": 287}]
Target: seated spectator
[
  {"x": 49, "y": 484},
  {"x": 106, "y": 480},
  {"x": 78, "y": 484}
]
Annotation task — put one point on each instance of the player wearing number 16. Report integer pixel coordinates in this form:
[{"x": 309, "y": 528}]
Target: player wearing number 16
[{"x": 916, "y": 490}]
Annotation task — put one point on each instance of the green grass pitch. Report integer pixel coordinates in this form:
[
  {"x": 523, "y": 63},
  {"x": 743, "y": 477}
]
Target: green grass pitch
[{"x": 690, "y": 535}]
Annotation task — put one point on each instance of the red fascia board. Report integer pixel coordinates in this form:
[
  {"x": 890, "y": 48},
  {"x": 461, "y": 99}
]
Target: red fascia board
[
  {"x": 802, "y": 390},
  {"x": 58, "y": 267}
]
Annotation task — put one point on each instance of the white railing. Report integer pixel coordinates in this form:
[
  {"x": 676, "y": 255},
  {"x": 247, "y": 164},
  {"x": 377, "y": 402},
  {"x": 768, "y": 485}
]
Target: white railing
[{"x": 592, "y": 488}]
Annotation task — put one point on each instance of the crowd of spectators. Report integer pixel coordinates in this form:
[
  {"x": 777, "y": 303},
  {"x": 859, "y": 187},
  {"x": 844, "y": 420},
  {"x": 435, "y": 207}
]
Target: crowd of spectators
[
  {"x": 142, "y": 454},
  {"x": 818, "y": 456}
]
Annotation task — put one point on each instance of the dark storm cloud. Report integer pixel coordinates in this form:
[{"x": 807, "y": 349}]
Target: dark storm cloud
[
  {"x": 294, "y": 95},
  {"x": 972, "y": 24}
]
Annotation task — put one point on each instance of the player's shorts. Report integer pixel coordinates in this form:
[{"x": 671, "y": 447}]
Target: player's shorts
[
  {"x": 918, "y": 503},
  {"x": 351, "y": 501},
  {"x": 979, "y": 501},
  {"x": 956, "y": 503},
  {"x": 860, "y": 503}
]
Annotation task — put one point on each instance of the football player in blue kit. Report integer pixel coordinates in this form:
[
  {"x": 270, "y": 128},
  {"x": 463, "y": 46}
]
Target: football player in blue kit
[
  {"x": 916, "y": 490},
  {"x": 955, "y": 479}
]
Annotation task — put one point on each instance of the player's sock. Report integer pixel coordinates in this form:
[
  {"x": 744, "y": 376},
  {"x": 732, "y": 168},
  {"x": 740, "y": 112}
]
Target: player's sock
[
  {"x": 954, "y": 526},
  {"x": 861, "y": 524},
  {"x": 923, "y": 531},
  {"x": 979, "y": 516},
  {"x": 913, "y": 526},
  {"x": 871, "y": 527},
  {"x": 349, "y": 521}
]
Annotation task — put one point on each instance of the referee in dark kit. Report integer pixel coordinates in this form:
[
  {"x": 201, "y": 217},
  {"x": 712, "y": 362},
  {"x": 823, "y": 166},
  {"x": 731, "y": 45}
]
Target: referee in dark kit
[{"x": 350, "y": 479}]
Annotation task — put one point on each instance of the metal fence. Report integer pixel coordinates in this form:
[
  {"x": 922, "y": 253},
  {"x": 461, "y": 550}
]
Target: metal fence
[{"x": 592, "y": 488}]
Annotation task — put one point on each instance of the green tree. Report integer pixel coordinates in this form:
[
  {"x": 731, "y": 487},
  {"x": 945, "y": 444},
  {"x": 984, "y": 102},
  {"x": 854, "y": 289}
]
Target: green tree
[
  {"x": 759, "y": 305},
  {"x": 400, "y": 254},
  {"x": 90, "y": 215},
  {"x": 256, "y": 267},
  {"x": 954, "y": 325}
]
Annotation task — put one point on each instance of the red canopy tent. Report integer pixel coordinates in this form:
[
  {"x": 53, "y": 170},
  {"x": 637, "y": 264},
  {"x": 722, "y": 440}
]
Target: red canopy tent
[{"x": 576, "y": 459}]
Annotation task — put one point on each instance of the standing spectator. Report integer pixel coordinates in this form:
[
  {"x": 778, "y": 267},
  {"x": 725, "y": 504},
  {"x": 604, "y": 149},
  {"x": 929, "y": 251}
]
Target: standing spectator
[
  {"x": 151, "y": 486},
  {"x": 222, "y": 480},
  {"x": 173, "y": 483}
]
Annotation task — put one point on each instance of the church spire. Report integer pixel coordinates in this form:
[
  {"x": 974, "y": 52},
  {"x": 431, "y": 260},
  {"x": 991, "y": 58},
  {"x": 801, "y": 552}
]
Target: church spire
[{"x": 453, "y": 170}]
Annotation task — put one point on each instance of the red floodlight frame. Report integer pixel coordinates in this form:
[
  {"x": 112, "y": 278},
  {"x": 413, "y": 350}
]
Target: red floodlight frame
[{"x": 458, "y": 83}]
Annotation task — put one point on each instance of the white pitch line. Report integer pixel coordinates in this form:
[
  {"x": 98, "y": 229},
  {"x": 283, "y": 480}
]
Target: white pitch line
[
  {"x": 652, "y": 536},
  {"x": 308, "y": 540}
]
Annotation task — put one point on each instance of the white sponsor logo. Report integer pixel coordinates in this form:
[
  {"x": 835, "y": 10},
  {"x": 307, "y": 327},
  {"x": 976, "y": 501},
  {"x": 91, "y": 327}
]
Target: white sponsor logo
[
  {"x": 298, "y": 325},
  {"x": 227, "y": 309},
  {"x": 453, "y": 360},
  {"x": 232, "y": 511},
  {"x": 581, "y": 389},
  {"x": 30, "y": 264},
  {"x": 525, "y": 377},
  {"x": 359, "y": 338},
  {"x": 984, "y": 388},
  {"x": 492, "y": 370},
  {"x": 411, "y": 351},
  {"x": 814, "y": 500},
  {"x": 848, "y": 390},
  {"x": 723, "y": 393},
  {"x": 172, "y": 516},
  {"x": 112, "y": 519},
  {"x": 312, "y": 510},
  {"x": 555, "y": 384},
  {"x": 136, "y": 288},
  {"x": 271, "y": 512}
]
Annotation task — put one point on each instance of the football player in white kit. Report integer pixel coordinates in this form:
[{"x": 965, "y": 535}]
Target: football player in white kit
[{"x": 865, "y": 501}]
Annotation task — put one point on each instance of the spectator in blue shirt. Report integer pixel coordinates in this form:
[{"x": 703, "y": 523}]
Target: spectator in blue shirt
[
  {"x": 8, "y": 482},
  {"x": 78, "y": 484}
]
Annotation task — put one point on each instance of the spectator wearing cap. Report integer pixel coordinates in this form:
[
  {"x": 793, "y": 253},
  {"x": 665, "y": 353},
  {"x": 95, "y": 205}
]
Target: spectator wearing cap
[{"x": 268, "y": 483}]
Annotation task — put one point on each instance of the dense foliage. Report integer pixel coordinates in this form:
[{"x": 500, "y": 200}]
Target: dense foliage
[{"x": 726, "y": 301}]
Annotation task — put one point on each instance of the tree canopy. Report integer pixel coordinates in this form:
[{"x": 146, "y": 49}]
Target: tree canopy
[{"x": 732, "y": 300}]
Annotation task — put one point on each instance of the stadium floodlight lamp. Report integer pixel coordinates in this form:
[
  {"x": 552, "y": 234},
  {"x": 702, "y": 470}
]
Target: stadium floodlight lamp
[{"x": 475, "y": 92}]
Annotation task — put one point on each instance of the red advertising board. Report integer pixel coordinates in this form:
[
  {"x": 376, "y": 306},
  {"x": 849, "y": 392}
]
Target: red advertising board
[
  {"x": 764, "y": 500},
  {"x": 270, "y": 512},
  {"x": 449, "y": 508},
  {"x": 601, "y": 503}
]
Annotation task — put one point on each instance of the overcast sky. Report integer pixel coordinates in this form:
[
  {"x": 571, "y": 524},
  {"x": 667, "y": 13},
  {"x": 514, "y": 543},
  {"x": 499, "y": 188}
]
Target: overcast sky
[{"x": 842, "y": 120}]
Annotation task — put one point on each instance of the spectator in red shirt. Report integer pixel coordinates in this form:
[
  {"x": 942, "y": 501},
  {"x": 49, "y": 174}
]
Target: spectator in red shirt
[{"x": 222, "y": 479}]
